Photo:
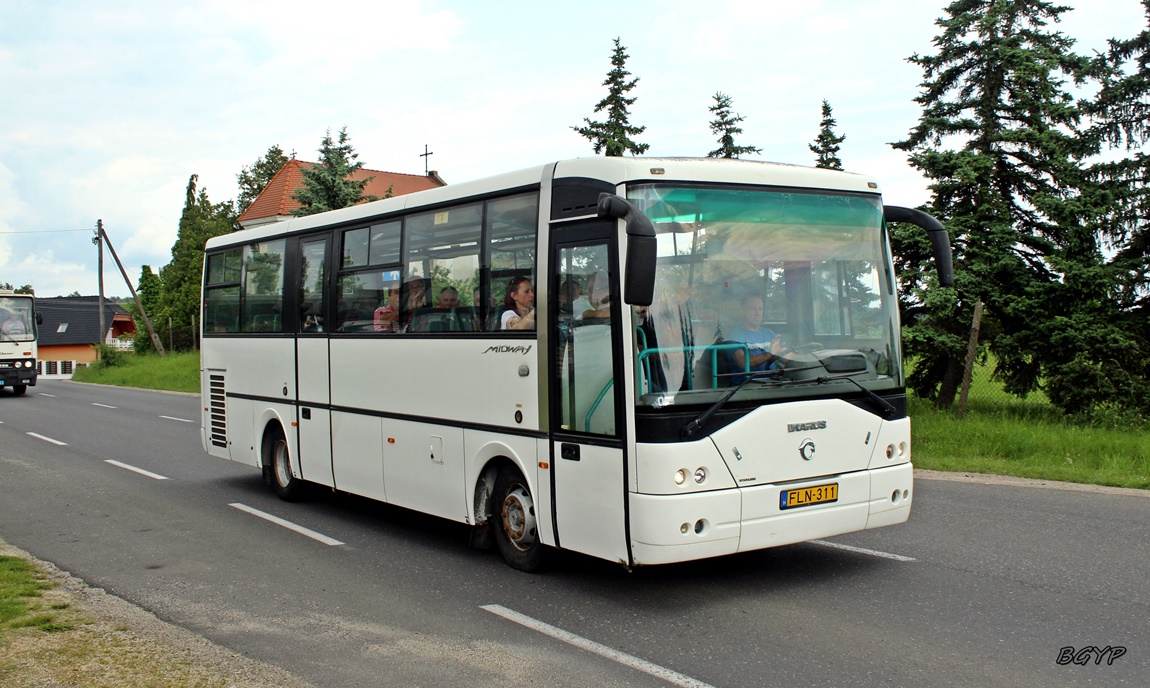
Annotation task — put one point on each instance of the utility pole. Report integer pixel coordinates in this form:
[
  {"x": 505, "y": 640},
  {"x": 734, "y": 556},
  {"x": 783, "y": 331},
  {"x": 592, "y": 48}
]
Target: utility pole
[
  {"x": 99, "y": 241},
  {"x": 147, "y": 321},
  {"x": 971, "y": 352}
]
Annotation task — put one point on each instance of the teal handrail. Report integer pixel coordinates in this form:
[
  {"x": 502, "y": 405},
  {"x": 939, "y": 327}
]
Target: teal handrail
[
  {"x": 594, "y": 406},
  {"x": 713, "y": 349}
]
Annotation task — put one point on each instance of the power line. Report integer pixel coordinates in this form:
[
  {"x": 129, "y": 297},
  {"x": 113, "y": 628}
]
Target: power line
[{"x": 46, "y": 231}]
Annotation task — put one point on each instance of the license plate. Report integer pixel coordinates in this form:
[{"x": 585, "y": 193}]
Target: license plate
[{"x": 807, "y": 496}]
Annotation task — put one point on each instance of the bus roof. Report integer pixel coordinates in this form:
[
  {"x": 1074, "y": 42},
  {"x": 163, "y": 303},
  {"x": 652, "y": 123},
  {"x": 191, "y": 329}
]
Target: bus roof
[{"x": 615, "y": 170}]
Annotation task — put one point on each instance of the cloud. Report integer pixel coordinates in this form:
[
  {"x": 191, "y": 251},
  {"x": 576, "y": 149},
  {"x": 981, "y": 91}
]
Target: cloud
[{"x": 109, "y": 107}]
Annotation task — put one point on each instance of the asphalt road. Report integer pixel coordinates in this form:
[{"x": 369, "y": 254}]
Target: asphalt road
[{"x": 987, "y": 586}]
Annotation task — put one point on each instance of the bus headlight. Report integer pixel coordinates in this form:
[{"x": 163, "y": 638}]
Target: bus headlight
[{"x": 680, "y": 476}]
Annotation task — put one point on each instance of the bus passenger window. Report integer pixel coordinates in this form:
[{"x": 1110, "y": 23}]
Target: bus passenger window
[
  {"x": 511, "y": 229},
  {"x": 263, "y": 287}
]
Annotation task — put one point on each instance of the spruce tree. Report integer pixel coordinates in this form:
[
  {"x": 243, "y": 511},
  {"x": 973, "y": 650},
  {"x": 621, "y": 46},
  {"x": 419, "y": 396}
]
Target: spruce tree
[
  {"x": 253, "y": 178},
  {"x": 826, "y": 145},
  {"x": 1000, "y": 139},
  {"x": 726, "y": 126},
  {"x": 328, "y": 185},
  {"x": 614, "y": 136},
  {"x": 1121, "y": 117}
]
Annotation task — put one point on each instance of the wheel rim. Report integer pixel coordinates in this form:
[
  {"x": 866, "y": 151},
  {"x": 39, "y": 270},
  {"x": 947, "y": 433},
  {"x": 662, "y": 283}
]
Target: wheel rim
[
  {"x": 518, "y": 518},
  {"x": 282, "y": 462}
]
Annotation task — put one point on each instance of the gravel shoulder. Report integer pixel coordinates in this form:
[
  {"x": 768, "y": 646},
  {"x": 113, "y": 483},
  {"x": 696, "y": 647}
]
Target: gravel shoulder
[
  {"x": 988, "y": 479},
  {"x": 115, "y": 643}
]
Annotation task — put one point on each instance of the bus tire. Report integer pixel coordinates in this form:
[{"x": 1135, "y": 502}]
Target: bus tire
[
  {"x": 514, "y": 523},
  {"x": 19, "y": 389},
  {"x": 277, "y": 459}
]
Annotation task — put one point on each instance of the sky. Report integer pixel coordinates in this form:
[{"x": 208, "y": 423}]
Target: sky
[{"x": 107, "y": 108}]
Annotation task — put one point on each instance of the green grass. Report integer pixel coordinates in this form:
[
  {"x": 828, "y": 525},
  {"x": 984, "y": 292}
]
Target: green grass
[
  {"x": 1029, "y": 438},
  {"x": 21, "y": 588},
  {"x": 1028, "y": 442},
  {"x": 177, "y": 372}
]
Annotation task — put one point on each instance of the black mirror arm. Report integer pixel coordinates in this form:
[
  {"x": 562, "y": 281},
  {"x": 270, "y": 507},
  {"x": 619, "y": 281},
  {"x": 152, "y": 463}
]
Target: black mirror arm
[
  {"x": 639, "y": 285},
  {"x": 939, "y": 239}
]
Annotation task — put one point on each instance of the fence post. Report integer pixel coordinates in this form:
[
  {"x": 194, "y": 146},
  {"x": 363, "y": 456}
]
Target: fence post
[{"x": 971, "y": 352}]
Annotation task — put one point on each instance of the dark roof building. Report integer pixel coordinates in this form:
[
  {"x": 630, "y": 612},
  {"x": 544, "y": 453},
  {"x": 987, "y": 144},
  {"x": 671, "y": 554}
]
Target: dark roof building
[{"x": 75, "y": 320}]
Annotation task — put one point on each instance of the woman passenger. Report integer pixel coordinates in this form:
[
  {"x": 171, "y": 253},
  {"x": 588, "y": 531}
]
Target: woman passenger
[{"x": 519, "y": 305}]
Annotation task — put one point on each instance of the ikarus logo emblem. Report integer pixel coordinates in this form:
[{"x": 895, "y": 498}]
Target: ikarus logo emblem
[
  {"x": 807, "y": 427},
  {"x": 807, "y": 450}
]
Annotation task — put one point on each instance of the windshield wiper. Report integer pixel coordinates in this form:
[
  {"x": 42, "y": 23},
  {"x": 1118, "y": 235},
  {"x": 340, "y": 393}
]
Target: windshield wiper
[
  {"x": 882, "y": 404},
  {"x": 693, "y": 427}
]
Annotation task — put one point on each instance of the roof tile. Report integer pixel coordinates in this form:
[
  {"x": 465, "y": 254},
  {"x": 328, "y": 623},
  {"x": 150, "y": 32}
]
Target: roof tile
[{"x": 276, "y": 198}]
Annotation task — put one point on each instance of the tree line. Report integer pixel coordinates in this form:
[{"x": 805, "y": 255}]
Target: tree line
[
  {"x": 171, "y": 296},
  {"x": 1035, "y": 160}
]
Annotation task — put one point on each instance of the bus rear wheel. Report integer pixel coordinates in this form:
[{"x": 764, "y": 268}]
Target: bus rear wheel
[
  {"x": 516, "y": 528},
  {"x": 19, "y": 389},
  {"x": 277, "y": 461}
]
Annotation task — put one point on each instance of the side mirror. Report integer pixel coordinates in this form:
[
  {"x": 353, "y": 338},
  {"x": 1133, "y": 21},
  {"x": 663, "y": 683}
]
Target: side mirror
[
  {"x": 939, "y": 239},
  {"x": 39, "y": 318},
  {"x": 639, "y": 264}
]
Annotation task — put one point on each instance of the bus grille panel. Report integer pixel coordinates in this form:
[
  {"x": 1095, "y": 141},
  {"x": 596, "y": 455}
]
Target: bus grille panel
[{"x": 218, "y": 410}]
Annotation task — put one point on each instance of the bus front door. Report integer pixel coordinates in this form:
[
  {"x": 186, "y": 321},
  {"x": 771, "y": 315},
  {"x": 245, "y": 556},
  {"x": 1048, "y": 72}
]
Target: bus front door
[{"x": 588, "y": 462}]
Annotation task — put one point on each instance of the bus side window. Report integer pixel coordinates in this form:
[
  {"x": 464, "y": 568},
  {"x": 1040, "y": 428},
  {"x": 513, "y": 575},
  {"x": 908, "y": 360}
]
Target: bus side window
[
  {"x": 442, "y": 258},
  {"x": 511, "y": 230},
  {"x": 222, "y": 292},
  {"x": 263, "y": 287}
]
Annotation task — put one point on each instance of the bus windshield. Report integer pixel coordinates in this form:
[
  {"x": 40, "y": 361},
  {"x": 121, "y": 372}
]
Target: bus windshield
[
  {"x": 780, "y": 286},
  {"x": 16, "y": 321}
]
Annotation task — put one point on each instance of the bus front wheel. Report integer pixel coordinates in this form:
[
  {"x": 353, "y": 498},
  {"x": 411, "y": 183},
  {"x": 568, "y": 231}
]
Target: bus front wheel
[
  {"x": 516, "y": 528},
  {"x": 277, "y": 461}
]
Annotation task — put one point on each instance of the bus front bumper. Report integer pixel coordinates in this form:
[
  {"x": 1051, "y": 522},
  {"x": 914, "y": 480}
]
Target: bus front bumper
[
  {"x": 10, "y": 377},
  {"x": 672, "y": 528}
]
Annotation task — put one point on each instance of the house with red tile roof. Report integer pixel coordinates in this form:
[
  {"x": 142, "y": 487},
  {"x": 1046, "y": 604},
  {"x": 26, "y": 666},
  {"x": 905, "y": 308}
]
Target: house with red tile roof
[{"x": 275, "y": 202}]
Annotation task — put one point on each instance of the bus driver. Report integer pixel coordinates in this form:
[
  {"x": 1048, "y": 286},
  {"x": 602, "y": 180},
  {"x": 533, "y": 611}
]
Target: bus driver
[{"x": 762, "y": 342}]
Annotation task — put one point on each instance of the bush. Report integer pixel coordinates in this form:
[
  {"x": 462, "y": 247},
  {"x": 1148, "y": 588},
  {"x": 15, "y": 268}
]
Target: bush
[{"x": 108, "y": 356}]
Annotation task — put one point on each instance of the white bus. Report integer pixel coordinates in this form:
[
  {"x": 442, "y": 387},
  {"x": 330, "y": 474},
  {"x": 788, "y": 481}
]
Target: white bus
[
  {"x": 645, "y": 414},
  {"x": 18, "y": 329}
]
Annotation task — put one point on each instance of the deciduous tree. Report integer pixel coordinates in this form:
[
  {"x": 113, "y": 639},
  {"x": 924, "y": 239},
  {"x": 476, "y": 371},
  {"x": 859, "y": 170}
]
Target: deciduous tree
[
  {"x": 253, "y": 178},
  {"x": 201, "y": 220},
  {"x": 150, "y": 289}
]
